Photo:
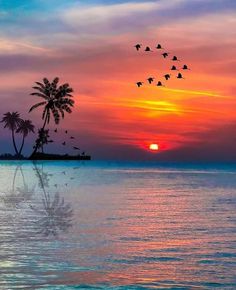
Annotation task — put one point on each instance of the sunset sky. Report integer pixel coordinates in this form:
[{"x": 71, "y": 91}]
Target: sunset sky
[{"x": 90, "y": 44}]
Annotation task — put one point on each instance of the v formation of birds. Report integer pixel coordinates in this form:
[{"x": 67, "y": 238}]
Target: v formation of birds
[{"x": 166, "y": 76}]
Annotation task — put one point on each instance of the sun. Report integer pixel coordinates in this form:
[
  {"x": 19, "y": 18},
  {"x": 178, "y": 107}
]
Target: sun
[{"x": 154, "y": 147}]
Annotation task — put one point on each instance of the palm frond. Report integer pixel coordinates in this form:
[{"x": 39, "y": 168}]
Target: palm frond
[
  {"x": 37, "y": 105},
  {"x": 55, "y": 115},
  {"x": 40, "y": 84},
  {"x": 67, "y": 108},
  {"x": 40, "y": 95},
  {"x": 46, "y": 81}
]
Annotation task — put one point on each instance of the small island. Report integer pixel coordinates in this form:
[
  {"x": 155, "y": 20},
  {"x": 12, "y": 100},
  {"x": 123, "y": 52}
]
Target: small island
[{"x": 57, "y": 101}]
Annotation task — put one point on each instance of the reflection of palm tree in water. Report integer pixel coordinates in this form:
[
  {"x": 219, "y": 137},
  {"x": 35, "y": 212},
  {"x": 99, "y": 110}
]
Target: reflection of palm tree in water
[
  {"x": 55, "y": 216},
  {"x": 43, "y": 177},
  {"x": 17, "y": 195}
]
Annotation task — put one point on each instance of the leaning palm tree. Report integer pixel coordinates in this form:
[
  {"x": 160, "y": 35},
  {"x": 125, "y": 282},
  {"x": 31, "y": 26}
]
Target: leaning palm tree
[
  {"x": 25, "y": 128},
  {"x": 12, "y": 121},
  {"x": 57, "y": 101}
]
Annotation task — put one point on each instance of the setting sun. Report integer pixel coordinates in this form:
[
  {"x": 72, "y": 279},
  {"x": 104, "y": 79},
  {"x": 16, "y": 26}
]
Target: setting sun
[{"x": 154, "y": 147}]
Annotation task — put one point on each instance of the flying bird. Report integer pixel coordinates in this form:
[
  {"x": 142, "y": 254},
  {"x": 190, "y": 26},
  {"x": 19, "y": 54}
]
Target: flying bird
[
  {"x": 175, "y": 58},
  {"x": 71, "y": 137},
  {"x": 159, "y": 84},
  {"x": 148, "y": 48},
  {"x": 165, "y": 54},
  {"x": 64, "y": 143},
  {"x": 173, "y": 67},
  {"x": 138, "y": 46},
  {"x": 139, "y": 84},
  {"x": 159, "y": 46},
  {"x": 66, "y": 131},
  {"x": 179, "y": 76},
  {"x": 55, "y": 130},
  {"x": 76, "y": 148},
  {"x": 185, "y": 66},
  {"x": 150, "y": 80},
  {"x": 167, "y": 76}
]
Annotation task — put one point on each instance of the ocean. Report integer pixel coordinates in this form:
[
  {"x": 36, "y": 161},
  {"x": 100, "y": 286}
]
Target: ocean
[{"x": 117, "y": 225}]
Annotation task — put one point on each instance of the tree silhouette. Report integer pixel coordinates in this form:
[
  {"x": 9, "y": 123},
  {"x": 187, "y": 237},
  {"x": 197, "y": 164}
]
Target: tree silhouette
[
  {"x": 43, "y": 139},
  {"x": 57, "y": 101},
  {"x": 25, "y": 127},
  {"x": 12, "y": 121}
]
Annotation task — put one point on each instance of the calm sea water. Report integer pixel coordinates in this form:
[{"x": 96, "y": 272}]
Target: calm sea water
[{"x": 73, "y": 225}]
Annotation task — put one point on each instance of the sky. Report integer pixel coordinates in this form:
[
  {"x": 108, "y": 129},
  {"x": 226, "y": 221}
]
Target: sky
[{"x": 90, "y": 45}]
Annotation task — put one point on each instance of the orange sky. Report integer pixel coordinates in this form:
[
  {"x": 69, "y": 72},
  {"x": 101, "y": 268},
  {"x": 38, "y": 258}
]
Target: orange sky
[{"x": 91, "y": 47}]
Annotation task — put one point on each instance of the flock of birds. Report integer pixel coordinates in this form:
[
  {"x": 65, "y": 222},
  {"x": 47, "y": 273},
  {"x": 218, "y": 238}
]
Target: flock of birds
[
  {"x": 166, "y": 76},
  {"x": 64, "y": 143}
]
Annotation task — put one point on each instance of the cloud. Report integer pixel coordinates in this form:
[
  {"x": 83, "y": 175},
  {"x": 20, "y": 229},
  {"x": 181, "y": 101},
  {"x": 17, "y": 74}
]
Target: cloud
[{"x": 131, "y": 16}]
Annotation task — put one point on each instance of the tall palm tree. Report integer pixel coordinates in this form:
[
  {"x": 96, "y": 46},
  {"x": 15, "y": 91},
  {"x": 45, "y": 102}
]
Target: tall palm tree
[
  {"x": 56, "y": 101},
  {"x": 24, "y": 128},
  {"x": 12, "y": 121}
]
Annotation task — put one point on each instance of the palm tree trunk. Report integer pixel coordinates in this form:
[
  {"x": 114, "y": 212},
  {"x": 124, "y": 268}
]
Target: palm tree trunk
[
  {"x": 37, "y": 145},
  {"x": 22, "y": 145},
  {"x": 14, "y": 142}
]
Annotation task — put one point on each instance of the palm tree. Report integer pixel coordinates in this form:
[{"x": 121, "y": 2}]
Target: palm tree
[
  {"x": 24, "y": 128},
  {"x": 12, "y": 121},
  {"x": 57, "y": 101}
]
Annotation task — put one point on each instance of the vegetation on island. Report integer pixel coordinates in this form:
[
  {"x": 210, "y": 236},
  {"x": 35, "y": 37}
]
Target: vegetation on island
[{"x": 57, "y": 100}]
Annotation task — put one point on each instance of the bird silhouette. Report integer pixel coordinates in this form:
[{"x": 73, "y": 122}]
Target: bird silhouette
[
  {"x": 159, "y": 84},
  {"x": 66, "y": 131},
  {"x": 165, "y": 54},
  {"x": 139, "y": 84},
  {"x": 55, "y": 130},
  {"x": 148, "y": 48},
  {"x": 138, "y": 46},
  {"x": 179, "y": 76},
  {"x": 64, "y": 143},
  {"x": 159, "y": 46},
  {"x": 167, "y": 76},
  {"x": 173, "y": 67},
  {"x": 175, "y": 58},
  {"x": 55, "y": 185},
  {"x": 76, "y": 148},
  {"x": 83, "y": 153},
  {"x": 71, "y": 137},
  {"x": 185, "y": 66},
  {"x": 150, "y": 80}
]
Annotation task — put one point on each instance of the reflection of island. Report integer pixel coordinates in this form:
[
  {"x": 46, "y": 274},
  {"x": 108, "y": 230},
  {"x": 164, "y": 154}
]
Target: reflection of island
[
  {"x": 50, "y": 214},
  {"x": 18, "y": 194},
  {"x": 54, "y": 215}
]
